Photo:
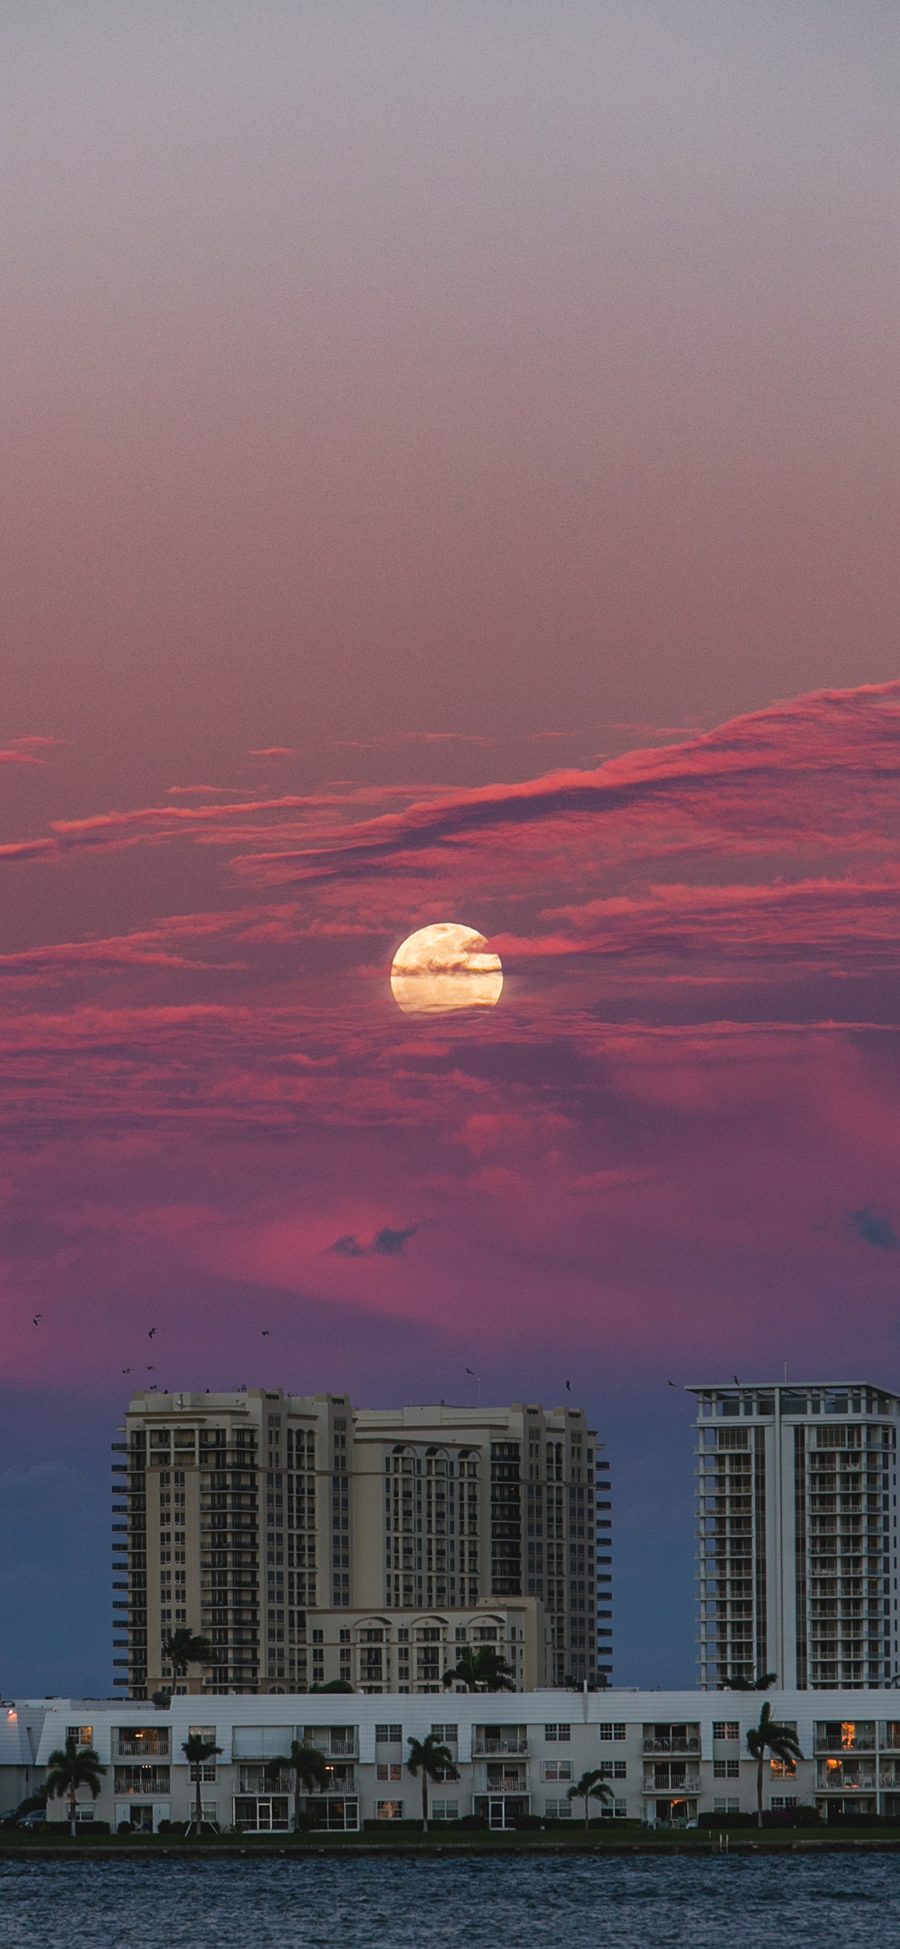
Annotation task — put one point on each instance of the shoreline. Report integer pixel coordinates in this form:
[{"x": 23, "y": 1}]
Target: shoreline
[{"x": 707, "y": 1845}]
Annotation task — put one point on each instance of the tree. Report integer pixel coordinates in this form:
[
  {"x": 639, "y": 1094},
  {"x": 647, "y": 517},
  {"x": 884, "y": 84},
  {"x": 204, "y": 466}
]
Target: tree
[
  {"x": 334, "y": 1685},
  {"x": 183, "y": 1648},
  {"x": 771, "y": 1736},
  {"x": 481, "y": 1670},
  {"x": 309, "y": 1770},
  {"x": 434, "y": 1760},
  {"x": 591, "y": 1786},
  {"x": 197, "y": 1751},
  {"x": 736, "y": 1683},
  {"x": 70, "y": 1768}
]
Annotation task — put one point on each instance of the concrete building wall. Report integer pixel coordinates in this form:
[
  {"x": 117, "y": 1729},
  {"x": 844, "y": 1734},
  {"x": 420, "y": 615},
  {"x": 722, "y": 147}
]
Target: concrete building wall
[{"x": 667, "y": 1756}]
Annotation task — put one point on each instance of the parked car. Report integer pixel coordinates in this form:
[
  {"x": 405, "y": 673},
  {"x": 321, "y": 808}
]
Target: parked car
[{"x": 35, "y": 1819}]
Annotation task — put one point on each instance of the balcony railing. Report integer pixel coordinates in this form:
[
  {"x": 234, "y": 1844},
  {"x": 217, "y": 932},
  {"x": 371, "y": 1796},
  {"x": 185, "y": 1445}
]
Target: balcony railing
[
  {"x": 141, "y": 1781},
  {"x": 149, "y": 1748},
  {"x": 677, "y": 1744},
  {"x": 506, "y": 1743},
  {"x": 862, "y": 1743},
  {"x": 690, "y": 1784},
  {"x": 500, "y": 1779}
]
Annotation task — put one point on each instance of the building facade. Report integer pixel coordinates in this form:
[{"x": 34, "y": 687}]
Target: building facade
[
  {"x": 243, "y": 1516},
  {"x": 797, "y": 1530},
  {"x": 667, "y": 1756}
]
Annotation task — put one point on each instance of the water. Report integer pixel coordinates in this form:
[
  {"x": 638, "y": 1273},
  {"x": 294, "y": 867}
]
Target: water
[{"x": 614, "y": 1903}]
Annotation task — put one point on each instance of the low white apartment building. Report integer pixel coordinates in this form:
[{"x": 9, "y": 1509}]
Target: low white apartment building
[{"x": 667, "y": 1756}]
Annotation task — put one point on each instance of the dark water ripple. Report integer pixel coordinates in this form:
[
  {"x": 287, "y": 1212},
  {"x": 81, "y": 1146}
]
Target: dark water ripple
[{"x": 684, "y": 1903}]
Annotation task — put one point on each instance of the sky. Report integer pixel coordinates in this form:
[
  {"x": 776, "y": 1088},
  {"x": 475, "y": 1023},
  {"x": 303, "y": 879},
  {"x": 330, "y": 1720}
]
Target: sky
[{"x": 451, "y": 474}]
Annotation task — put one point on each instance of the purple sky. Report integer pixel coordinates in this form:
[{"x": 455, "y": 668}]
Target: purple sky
[{"x": 451, "y": 474}]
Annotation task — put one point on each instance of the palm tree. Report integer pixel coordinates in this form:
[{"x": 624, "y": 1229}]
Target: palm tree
[
  {"x": 309, "y": 1769},
  {"x": 197, "y": 1751},
  {"x": 434, "y": 1760},
  {"x": 591, "y": 1786},
  {"x": 771, "y": 1736},
  {"x": 70, "y": 1768},
  {"x": 484, "y": 1670},
  {"x": 761, "y": 1683},
  {"x": 185, "y": 1647}
]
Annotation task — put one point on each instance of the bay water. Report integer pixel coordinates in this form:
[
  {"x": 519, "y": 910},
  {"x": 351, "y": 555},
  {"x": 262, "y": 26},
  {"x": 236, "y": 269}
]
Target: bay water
[{"x": 712, "y": 1902}]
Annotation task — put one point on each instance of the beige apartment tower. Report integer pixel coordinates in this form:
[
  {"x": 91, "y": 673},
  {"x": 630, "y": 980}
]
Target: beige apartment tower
[{"x": 307, "y": 1539}]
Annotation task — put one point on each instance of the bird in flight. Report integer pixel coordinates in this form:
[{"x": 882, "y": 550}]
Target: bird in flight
[
  {"x": 265, "y": 1333},
  {"x": 736, "y": 1381},
  {"x": 126, "y": 1370},
  {"x": 568, "y": 1387},
  {"x": 471, "y": 1370},
  {"x": 151, "y": 1333},
  {"x": 37, "y": 1319},
  {"x": 150, "y": 1367},
  {"x": 670, "y": 1383}
]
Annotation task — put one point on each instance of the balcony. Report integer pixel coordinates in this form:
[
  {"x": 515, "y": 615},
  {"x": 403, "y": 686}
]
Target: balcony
[
  {"x": 660, "y": 1783},
  {"x": 501, "y": 1743},
  {"x": 845, "y": 1779},
  {"x": 333, "y": 1743},
  {"x": 500, "y": 1779},
  {"x": 148, "y": 1743},
  {"x": 852, "y": 1740},
  {"x": 143, "y": 1781}
]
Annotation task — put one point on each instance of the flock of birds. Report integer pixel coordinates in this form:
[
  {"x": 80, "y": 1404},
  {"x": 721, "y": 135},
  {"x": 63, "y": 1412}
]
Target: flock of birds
[
  {"x": 265, "y": 1334},
  {"x": 150, "y": 1365}
]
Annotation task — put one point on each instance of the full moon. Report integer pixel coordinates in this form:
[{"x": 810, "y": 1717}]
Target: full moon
[{"x": 443, "y": 968}]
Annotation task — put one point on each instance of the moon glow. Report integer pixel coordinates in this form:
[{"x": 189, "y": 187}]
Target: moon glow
[{"x": 445, "y": 967}]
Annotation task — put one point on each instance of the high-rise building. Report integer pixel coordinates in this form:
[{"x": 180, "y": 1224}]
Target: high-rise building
[
  {"x": 243, "y": 1515},
  {"x": 798, "y": 1536}
]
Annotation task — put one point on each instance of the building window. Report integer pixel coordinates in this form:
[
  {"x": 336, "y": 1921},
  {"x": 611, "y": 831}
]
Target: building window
[
  {"x": 389, "y": 1735},
  {"x": 82, "y": 1735},
  {"x": 726, "y": 1769},
  {"x": 558, "y": 1809},
  {"x": 606, "y": 1730},
  {"x": 560, "y": 1733},
  {"x": 389, "y": 1770},
  {"x": 726, "y": 1729},
  {"x": 557, "y": 1769},
  {"x": 445, "y": 1810},
  {"x": 389, "y": 1810},
  {"x": 730, "y": 1806}
]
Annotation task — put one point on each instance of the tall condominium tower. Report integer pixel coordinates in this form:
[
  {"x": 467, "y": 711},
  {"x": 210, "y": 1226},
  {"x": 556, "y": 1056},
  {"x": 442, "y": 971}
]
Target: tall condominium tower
[
  {"x": 245, "y": 1515},
  {"x": 797, "y": 1522}
]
